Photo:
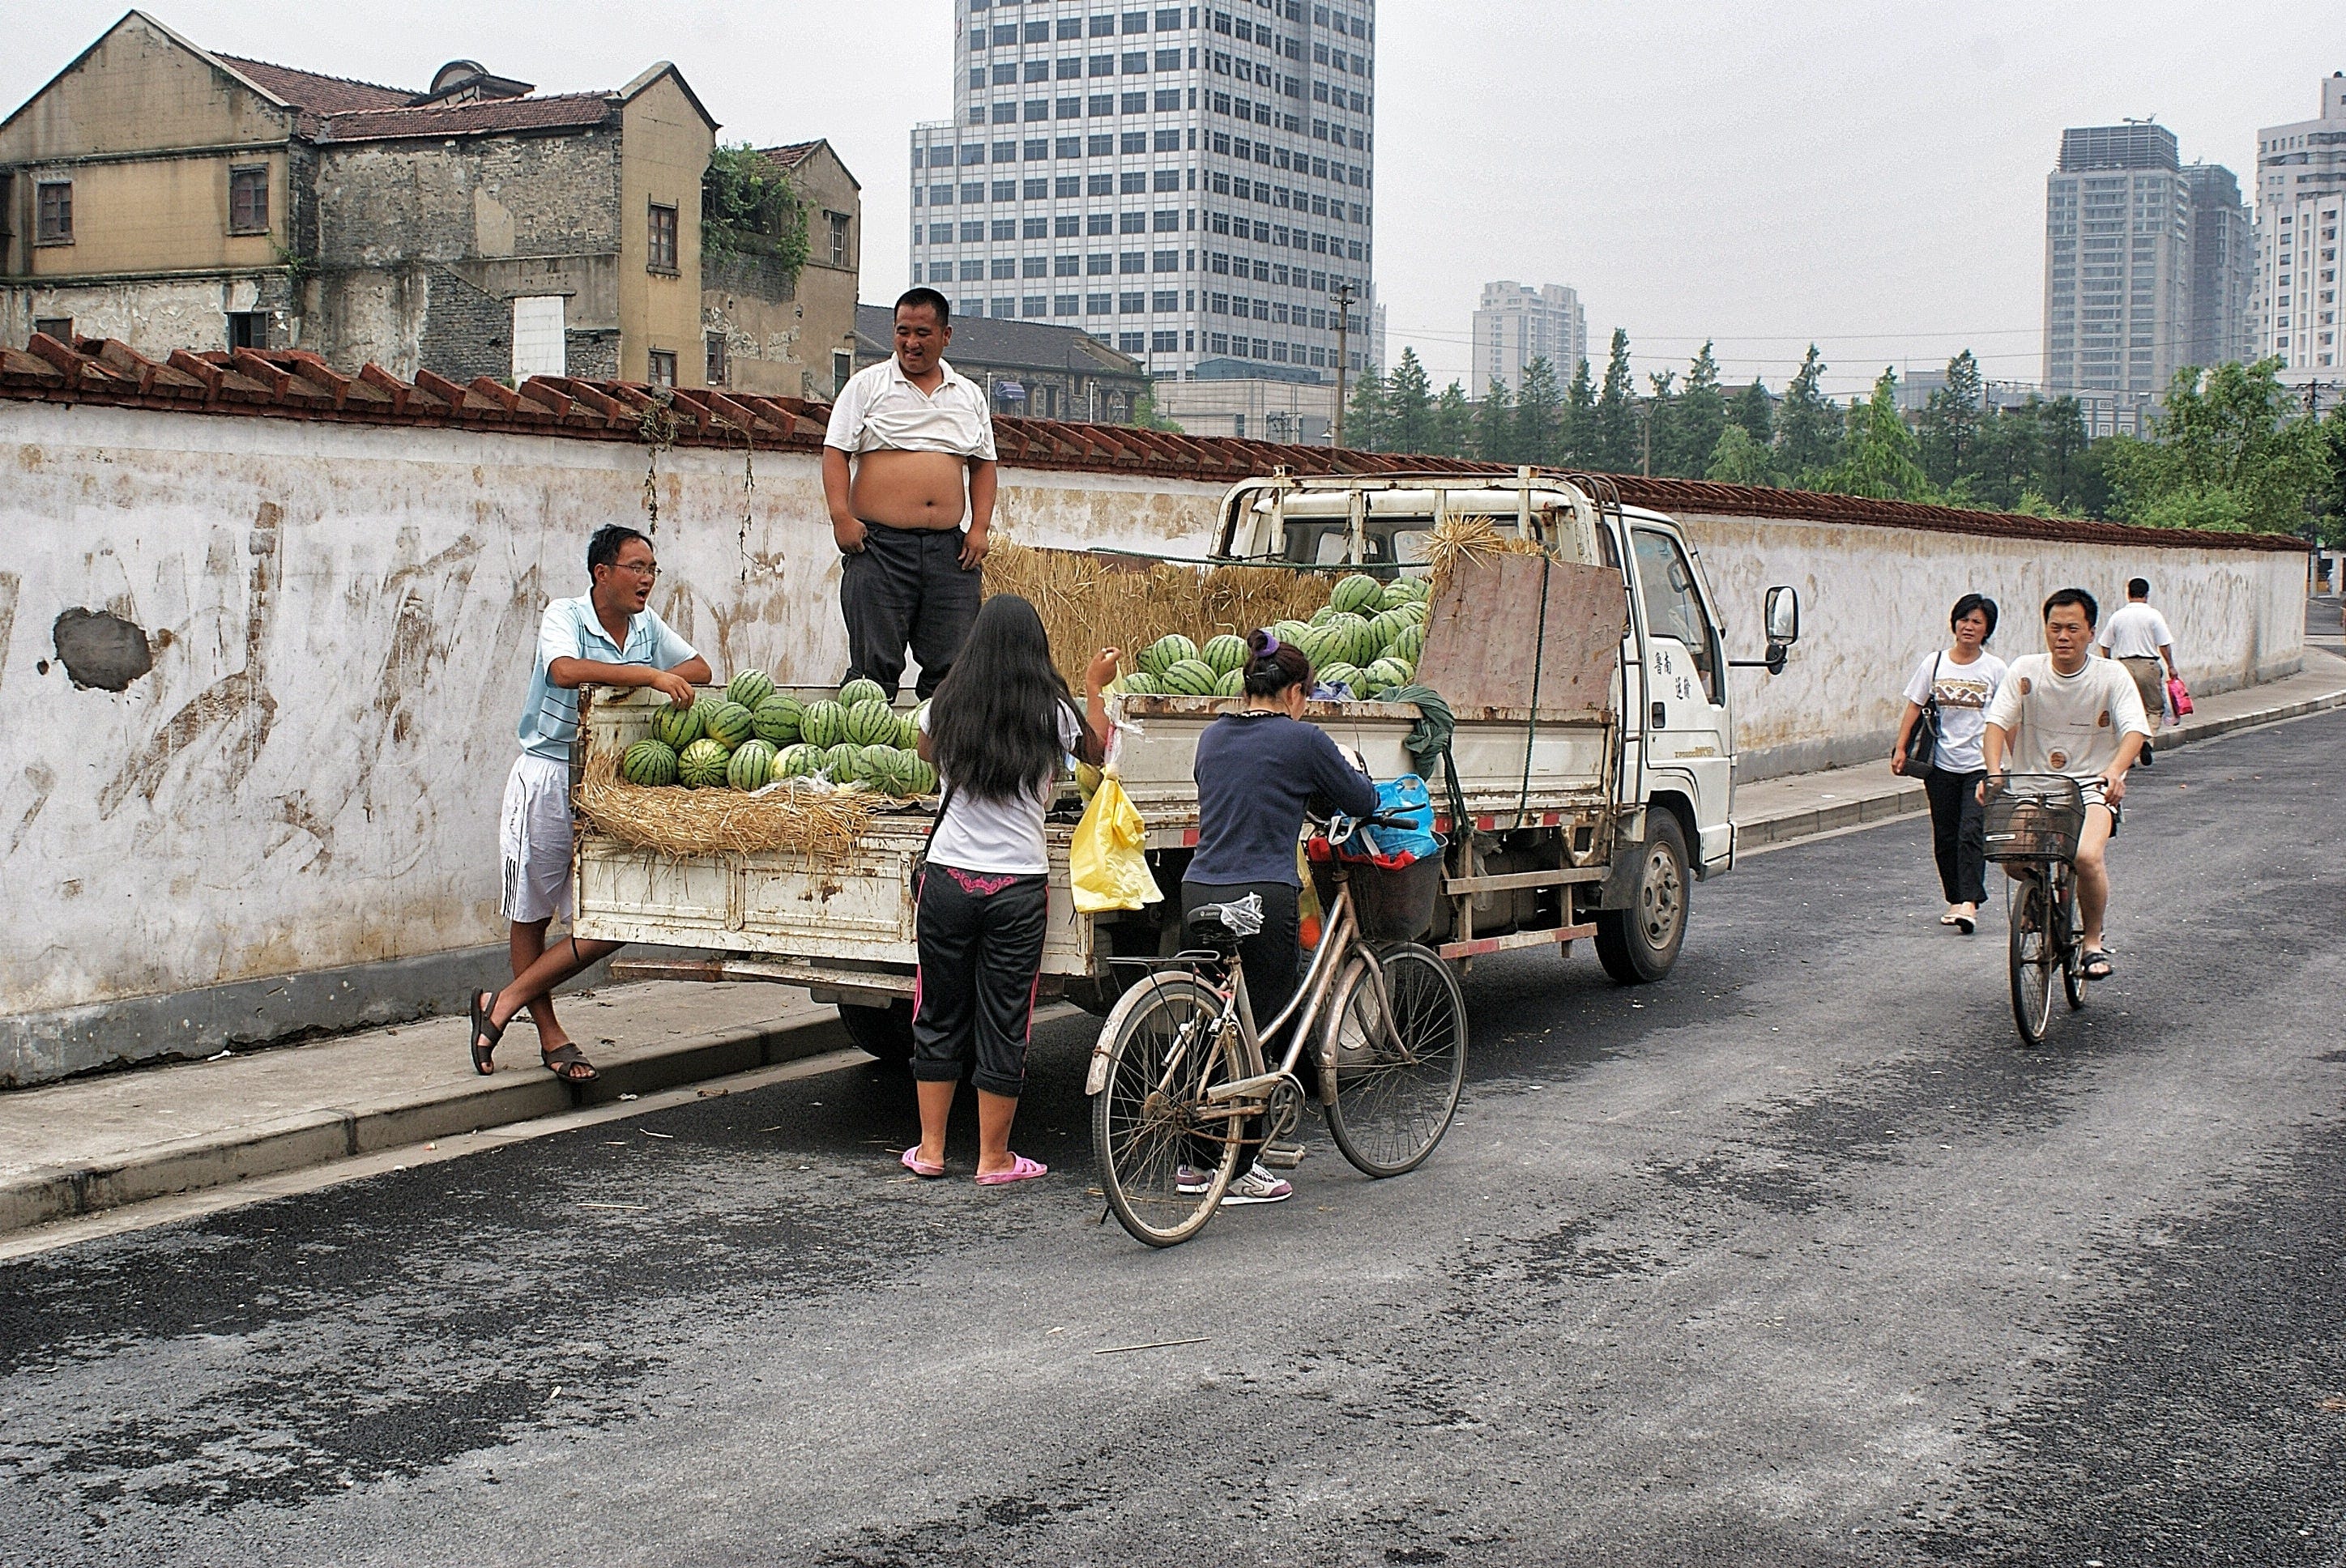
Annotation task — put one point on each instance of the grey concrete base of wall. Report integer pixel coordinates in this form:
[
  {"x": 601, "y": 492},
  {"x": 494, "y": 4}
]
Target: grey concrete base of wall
[{"x": 42, "y": 1047}]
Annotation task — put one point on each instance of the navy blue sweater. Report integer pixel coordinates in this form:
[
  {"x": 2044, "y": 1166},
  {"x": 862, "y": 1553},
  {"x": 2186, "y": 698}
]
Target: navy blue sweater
[{"x": 1255, "y": 772}]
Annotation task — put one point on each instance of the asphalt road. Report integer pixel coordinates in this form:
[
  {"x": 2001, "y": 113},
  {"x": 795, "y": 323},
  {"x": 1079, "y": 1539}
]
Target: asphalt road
[{"x": 1794, "y": 1258}]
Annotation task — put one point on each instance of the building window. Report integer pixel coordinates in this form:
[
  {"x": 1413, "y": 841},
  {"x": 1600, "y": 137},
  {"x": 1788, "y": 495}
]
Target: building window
[
  {"x": 247, "y": 200},
  {"x": 838, "y": 221},
  {"x": 53, "y": 214},
  {"x": 1132, "y": 342},
  {"x": 716, "y": 358},
  {"x": 57, "y": 327},
  {"x": 248, "y": 329},
  {"x": 540, "y": 346},
  {"x": 842, "y": 369},
  {"x": 663, "y": 362},
  {"x": 660, "y": 255}
]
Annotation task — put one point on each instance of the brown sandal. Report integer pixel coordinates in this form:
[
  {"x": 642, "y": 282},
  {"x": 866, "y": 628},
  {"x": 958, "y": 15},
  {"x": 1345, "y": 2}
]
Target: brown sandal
[
  {"x": 485, "y": 1034},
  {"x": 569, "y": 1063}
]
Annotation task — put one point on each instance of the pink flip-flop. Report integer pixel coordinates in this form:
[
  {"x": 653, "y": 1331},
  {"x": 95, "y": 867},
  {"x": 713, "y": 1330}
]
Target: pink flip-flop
[
  {"x": 920, "y": 1167},
  {"x": 1021, "y": 1169}
]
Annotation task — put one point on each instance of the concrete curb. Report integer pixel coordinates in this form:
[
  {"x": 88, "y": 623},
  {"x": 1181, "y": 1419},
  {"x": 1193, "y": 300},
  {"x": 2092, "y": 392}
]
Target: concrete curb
[
  {"x": 2208, "y": 729},
  {"x": 320, "y": 1138}
]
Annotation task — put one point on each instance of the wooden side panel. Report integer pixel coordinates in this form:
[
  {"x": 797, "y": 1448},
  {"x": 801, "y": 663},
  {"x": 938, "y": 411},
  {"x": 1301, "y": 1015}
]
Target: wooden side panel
[{"x": 1482, "y": 633}]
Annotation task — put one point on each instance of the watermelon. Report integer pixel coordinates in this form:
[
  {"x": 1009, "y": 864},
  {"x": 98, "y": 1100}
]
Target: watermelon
[
  {"x": 1231, "y": 685},
  {"x": 798, "y": 761},
  {"x": 924, "y": 777},
  {"x": 871, "y": 722},
  {"x": 1165, "y": 652},
  {"x": 841, "y": 761},
  {"x": 1324, "y": 614},
  {"x": 1408, "y": 644},
  {"x": 677, "y": 726},
  {"x": 1387, "y": 624},
  {"x": 1350, "y": 640},
  {"x": 750, "y": 687},
  {"x": 649, "y": 762},
  {"x": 1136, "y": 684},
  {"x": 1406, "y": 591},
  {"x": 729, "y": 725},
  {"x": 1414, "y": 614},
  {"x": 899, "y": 772},
  {"x": 1290, "y": 631},
  {"x": 752, "y": 766},
  {"x": 861, "y": 690},
  {"x": 908, "y": 732},
  {"x": 1387, "y": 672},
  {"x": 701, "y": 764},
  {"x": 776, "y": 719},
  {"x": 1225, "y": 653},
  {"x": 1190, "y": 678},
  {"x": 824, "y": 723},
  {"x": 1357, "y": 593},
  {"x": 1342, "y": 675}
]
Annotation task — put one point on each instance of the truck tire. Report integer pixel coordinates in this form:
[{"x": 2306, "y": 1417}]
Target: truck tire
[
  {"x": 1637, "y": 945},
  {"x": 883, "y": 1033}
]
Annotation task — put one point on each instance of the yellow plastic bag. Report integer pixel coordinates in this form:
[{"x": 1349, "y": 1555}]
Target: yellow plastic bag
[{"x": 1106, "y": 867}]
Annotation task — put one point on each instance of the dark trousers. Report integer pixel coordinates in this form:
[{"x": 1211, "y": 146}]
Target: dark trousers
[
  {"x": 906, "y": 585},
  {"x": 1958, "y": 834},
  {"x": 981, "y": 939},
  {"x": 1271, "y": 959}
]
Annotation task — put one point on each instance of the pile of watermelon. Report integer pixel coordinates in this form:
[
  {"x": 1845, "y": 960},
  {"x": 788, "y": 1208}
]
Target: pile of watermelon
[
  {"x": 1366, "y": 640},
  {"x": 752, "y": 735}
]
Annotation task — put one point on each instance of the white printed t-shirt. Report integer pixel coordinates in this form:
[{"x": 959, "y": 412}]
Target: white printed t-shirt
[
  {"x": 2070, "y": 724},
  {"x": 1002, "y": 836},
  {"x": 1963, "y": 691},
  {"x": 880, "y": 409},
  {"x": 2137, "y": 631}
]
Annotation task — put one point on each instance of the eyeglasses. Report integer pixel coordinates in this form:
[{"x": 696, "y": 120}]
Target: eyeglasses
[{"x": 640, "y": 568}]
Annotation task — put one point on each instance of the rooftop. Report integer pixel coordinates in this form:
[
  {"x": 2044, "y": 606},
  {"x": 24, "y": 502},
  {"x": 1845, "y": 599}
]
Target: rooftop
[{"x": 1003, "y": 343}]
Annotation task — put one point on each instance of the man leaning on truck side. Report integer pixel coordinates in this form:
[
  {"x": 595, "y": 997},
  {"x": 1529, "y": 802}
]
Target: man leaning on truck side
[{"x": 921, "y": 444}]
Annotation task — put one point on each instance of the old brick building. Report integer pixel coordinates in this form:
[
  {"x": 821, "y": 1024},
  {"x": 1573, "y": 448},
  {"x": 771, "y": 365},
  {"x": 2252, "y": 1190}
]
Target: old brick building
[
  {"x": 158, "y": 193},
  {"x": 1028, "y": 368},
  {"x": 779, "y": 335}
]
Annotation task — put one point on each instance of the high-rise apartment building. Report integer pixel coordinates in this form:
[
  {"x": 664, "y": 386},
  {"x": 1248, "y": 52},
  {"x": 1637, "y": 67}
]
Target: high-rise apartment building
[
  {"x": 1192, "y": 183},
  {"x": 2300, "y": 190},
  {"x": 2117, "y": 261},
  {"x": 2223, "y": 268},
  {"x": 1518, "y": 324}
]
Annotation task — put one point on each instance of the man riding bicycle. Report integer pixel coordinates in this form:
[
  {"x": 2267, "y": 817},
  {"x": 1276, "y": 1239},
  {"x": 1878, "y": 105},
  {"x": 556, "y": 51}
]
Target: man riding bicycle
[{"x": 2064, "y": 711}]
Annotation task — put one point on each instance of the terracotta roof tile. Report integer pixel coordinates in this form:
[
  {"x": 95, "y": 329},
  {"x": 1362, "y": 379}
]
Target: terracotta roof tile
[
  {"x": 553, "y": 111},
  {"x": 316, "y": 95}
]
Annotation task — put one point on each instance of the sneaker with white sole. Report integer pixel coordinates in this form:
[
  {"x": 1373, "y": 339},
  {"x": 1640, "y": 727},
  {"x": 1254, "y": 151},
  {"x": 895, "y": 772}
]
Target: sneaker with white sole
[{"x": 1254, "y": 1184}]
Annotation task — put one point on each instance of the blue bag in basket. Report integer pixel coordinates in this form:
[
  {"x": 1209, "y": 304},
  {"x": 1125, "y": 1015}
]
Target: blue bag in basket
[{"x": 1394, "y": 848}]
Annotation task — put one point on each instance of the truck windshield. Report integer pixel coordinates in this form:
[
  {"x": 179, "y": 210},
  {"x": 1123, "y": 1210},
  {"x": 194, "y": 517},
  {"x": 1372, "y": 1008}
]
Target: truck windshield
[{"x": 1327, "y": 540}]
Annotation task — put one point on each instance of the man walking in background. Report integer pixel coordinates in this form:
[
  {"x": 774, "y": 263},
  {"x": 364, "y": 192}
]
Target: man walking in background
[
  {"x": 2136, "y": 636},
  {"x": 905, "y": 438}
]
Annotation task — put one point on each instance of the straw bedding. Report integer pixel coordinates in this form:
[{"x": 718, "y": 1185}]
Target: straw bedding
[{"x": 794, "y": 816}]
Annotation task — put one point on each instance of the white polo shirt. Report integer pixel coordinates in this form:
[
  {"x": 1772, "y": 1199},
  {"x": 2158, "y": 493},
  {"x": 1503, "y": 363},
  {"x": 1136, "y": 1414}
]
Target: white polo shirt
[
  {"x": 2135, "y": 631},
  {"x": 880, "y": 409}
]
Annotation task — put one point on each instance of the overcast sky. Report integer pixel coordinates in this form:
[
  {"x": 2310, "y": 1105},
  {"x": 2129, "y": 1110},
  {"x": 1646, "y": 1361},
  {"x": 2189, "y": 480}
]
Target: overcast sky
[{"x": 1868, "y": 176}]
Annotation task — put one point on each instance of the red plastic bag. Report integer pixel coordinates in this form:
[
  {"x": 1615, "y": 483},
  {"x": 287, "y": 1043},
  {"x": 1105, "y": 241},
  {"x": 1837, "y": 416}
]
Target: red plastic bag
[{"x": 2178, "y": 697}]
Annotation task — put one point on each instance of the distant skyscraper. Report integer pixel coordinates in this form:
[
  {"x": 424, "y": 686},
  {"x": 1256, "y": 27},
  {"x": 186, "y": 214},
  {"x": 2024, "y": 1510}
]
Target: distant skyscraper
[
  {"x": 1518, "y": 324},
  {"x": 2300, "y": 188},
  {"x": 2118, "y": 262},
  {"x": 1188, "y": 182},
  {"x": 2223, "y": 268}
]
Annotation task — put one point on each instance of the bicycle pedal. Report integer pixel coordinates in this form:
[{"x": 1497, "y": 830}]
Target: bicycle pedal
[{"x": 1283, "y": 1156}]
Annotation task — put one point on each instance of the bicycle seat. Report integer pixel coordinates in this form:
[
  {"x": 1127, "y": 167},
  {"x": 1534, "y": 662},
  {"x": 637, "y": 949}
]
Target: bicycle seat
[{"x": 1218, "y": 927}]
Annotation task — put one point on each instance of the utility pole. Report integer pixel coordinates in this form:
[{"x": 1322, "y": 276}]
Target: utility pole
[{"x": 1343, "y": 298}]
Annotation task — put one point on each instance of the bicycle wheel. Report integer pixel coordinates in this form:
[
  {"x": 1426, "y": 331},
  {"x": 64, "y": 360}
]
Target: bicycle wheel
[
  {"x": 2073, "y": 950},
  {"x": 2028, "y": 917},
  {"x": 1395, "y": 1093},
  {"x": 1148, "y": 1126}
]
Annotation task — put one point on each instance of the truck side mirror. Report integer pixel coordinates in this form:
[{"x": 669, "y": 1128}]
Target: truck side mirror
[{"x": 1783, "y": 618}]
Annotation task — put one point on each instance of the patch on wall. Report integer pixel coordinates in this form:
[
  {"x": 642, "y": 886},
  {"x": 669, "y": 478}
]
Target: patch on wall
[{"x": 101, "y": 650}]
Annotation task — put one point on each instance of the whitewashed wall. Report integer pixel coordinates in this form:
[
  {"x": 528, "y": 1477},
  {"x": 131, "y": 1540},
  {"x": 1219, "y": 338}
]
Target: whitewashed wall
[{"x": 342, "y": 620}]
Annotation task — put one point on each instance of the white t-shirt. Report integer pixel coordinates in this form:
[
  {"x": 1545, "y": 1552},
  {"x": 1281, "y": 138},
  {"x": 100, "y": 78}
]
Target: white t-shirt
[
  {"x": 1963, "y": 691},
  {"x": 880, "y": 409},
  {"x": 1002, "y": 836},
  {"x": 2066, "y": 723},
  {"x": 2135, "y": 631}
]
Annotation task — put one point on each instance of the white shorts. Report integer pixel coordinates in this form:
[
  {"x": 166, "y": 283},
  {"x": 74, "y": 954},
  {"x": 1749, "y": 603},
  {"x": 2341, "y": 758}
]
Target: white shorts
[{"x": 533, "y": 839}]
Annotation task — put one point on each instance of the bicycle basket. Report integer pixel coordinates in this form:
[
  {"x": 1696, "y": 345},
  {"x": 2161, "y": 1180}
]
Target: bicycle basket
[
  {"x": 1393, "y": 903},
  {"x": 2033, "y": 817}
]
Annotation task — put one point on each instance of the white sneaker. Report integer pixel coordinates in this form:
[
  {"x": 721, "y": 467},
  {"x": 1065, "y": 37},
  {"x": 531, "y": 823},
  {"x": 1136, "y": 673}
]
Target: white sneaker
[{"x": 1253, "y": 1186}]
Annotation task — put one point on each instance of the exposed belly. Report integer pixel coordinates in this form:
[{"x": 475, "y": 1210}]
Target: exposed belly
[{"x": 909, "y": 489}]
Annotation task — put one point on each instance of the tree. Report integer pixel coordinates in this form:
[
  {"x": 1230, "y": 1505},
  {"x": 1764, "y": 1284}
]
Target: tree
[
  {"x": 1737, "y": 458},
  {"x": 749, "y": 209},
  {"x": 1146, "y": 416},
  {"x": 1881, "y": 458},
  {"x": 1580, "y": 421},
  {"x": 1616, "y": 446},
  {"x": 2330, "y": 524},
  {"x": 1698, "y": 416},
  {"x": 1454, "y": 422},
  {"x": 1657, "y": 432},
  {"x": 1755, "y": 412},
  {"x": 2007, "y": 455},
  {"x": 2232, "y": 452},
  {"x": 1409, "y": 406},
  {"x": 1951, "y": 422},
  {"x": 2065, "y": 476},
  {"x": 1365, "y": 421},
  {"x": 1494, "y": 424},
  {"x": 1537, "y": 422},
  {"x": 1809, "y": 422}
]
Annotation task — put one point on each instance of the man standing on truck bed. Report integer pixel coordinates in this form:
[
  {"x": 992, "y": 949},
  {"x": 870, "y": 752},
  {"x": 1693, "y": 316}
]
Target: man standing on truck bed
[{"x": 914, "y": 432}]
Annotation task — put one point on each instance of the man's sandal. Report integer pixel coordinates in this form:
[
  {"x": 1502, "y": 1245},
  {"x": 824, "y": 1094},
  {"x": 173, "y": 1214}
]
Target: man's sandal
[
  {"x": 2093, "y": 964},
  {"x": 485, "y": 1034},
  {"x": 569, "y": 1063}
]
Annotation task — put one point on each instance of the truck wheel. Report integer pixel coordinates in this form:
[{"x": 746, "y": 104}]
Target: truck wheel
[
  {"x": 884, "y": 1033},
  {"x": 1637, "y": 945}
]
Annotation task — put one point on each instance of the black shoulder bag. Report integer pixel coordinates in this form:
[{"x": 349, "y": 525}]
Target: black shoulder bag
[{"x": 1923, "y": 740}]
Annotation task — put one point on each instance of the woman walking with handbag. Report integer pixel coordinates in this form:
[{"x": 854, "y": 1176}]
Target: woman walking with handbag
[
  {"x": 1939, "y": 741},
  {"x": 996, "y": 731}
]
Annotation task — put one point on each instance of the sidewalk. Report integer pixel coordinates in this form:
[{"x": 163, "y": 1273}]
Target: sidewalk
[{"x": 101, "y": 1142}]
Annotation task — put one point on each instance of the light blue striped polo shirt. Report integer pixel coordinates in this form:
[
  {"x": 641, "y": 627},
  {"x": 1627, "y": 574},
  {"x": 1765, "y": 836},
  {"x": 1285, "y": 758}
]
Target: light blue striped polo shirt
[{"x": 550, "y": 718}]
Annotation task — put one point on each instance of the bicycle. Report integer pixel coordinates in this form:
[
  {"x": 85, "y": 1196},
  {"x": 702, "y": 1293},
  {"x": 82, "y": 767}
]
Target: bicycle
[
  {"x": 2033, "y": 821},
  {"x": 1178, "y": 1075}
]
